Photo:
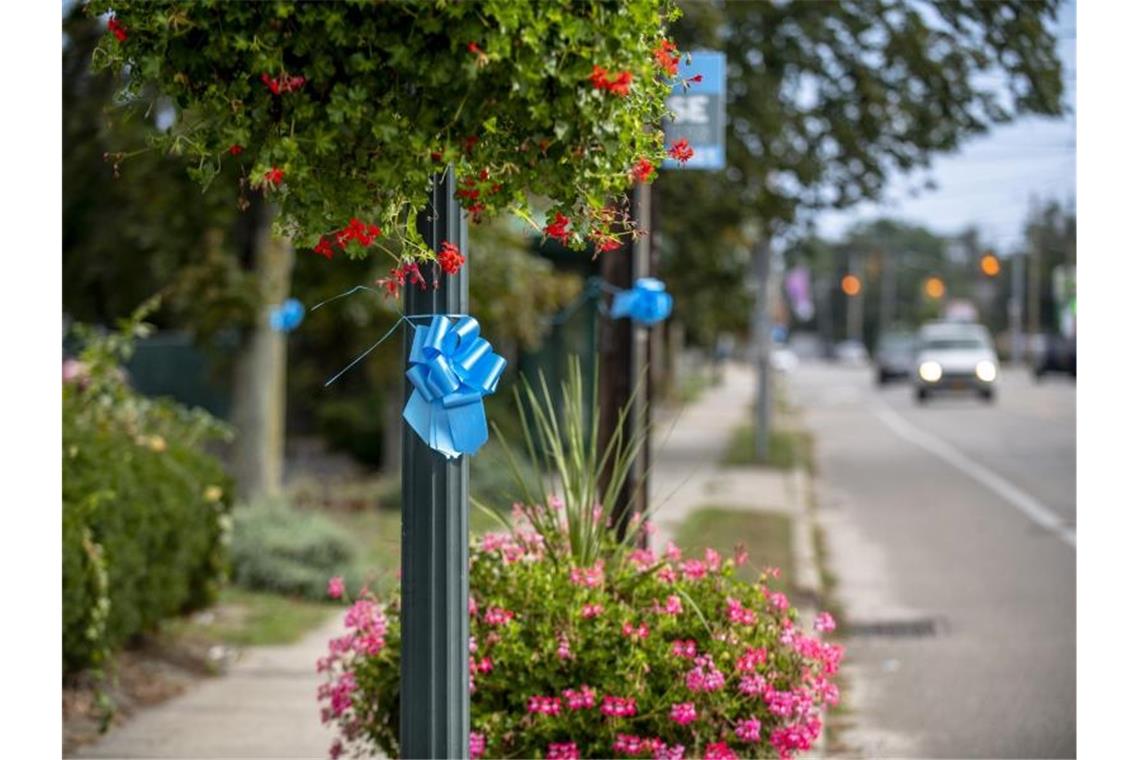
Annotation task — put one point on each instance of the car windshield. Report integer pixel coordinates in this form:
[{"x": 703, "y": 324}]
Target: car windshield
[{"x": 952, "y": 343}]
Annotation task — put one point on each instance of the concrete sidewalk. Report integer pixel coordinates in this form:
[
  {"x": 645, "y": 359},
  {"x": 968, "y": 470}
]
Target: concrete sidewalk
[
  {"x": 264, "y": 707},
  {"x": 687, "y": 450}
]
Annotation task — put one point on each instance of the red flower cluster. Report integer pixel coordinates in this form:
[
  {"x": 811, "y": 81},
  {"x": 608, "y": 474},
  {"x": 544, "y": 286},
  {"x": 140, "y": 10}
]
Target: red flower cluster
[
  {"x": 354, "y": 230},
  {"x": 358, "y": 231},
  {"x": 274, "y": 176},
  {"x": 642, "y": 170},
  {"x": 557, "y": 228},
  {"x": 450, "y": 259},
  {"x": 667, "y": 57},
  {"x": 236, "y": 149},
  {"x": 283, "y": 83},
  {"x": 400, "y": 275},
  {"x": 618, "y": 84},
  {"x": 474, "y": 49},
  {"x": 604, "y": 243},
  {"x": 117, "y": 29},
  {"x": 681, "y": 151}
]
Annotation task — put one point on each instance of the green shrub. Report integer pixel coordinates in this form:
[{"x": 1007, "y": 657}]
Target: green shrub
[
  {"x": 290, "y": 551},
  {"x": 144, "y": 504}
]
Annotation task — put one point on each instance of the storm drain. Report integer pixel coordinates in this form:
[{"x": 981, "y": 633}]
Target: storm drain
[{"x": 914, "y": 628}]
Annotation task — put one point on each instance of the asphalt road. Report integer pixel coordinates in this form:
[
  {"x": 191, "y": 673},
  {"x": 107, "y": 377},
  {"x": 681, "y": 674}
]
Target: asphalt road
[{"x": 951, "y": 530}]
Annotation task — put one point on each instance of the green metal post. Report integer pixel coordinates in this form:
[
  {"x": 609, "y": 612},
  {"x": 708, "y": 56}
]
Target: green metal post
[{"x": 434, "y": 706}]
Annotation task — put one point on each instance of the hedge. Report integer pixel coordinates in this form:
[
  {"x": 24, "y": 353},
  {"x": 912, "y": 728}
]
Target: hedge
[{"x": 145, "y": 506}]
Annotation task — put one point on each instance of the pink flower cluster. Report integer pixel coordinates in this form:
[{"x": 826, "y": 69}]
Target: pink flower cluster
[
  {"x": 544, "y": 705},
  {"x": 752, "y": 684},
  {"x": 752, "y": 657},
  {"x": 683, "y": 713},
  {"x": 704, "y": 676},
  {"x": 672, "y": 606},
  {"x": 640, "y": 632},
  {"x": 476, "y": 745},
  {"x": 618, "y": 707},
  {"x": 633, "y": 746},
  {"x": 719, "y": 751},
  {"x": 686, "y": 648},
  {"x": 642, "y": 559},
  {"x": 748, "y": 730},
  {"x": 738, "y": 613},
  {"x": 562, "y": 751},
  {"x": 591, "y": 611},
  {"x": 583, "y": 699},
  {"x": 588, "y": 577},
  {"x": 497, "y": 616}
]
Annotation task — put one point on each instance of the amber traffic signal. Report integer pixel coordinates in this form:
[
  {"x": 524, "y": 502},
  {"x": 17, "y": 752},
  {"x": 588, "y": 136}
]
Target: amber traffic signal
[
  {"x": 991, "y": 266},
  {"x": 934, "y": 287},
  {"x": 851, "y": 285}
]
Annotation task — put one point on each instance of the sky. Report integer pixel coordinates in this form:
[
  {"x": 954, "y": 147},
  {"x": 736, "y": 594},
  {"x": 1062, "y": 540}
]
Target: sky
[{"x": 990, "y": 182}]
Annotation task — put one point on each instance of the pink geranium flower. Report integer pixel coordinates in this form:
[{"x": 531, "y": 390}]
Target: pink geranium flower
[
  {"x": 336, "y": 587},
  {"x": 683, "y": 713}
]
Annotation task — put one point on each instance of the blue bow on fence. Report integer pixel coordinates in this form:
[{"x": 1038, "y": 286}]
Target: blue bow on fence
[
  {"x": 452, "y": 369},
  {"x": 647, "y": 303},
  {"x": 287, "y": 316}
]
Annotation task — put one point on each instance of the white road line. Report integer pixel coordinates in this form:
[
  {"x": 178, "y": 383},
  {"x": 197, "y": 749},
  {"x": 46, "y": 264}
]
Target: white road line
[{"x": 1029, "y": 506}]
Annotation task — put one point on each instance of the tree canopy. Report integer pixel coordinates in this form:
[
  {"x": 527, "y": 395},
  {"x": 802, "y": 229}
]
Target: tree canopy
[
  {"x": 340, "y": 113},
  {"x": 827, "y": 100}
]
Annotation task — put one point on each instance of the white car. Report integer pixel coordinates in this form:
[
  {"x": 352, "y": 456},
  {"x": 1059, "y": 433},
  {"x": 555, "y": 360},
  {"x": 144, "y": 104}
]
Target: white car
[{"x": 955, "y": 356}]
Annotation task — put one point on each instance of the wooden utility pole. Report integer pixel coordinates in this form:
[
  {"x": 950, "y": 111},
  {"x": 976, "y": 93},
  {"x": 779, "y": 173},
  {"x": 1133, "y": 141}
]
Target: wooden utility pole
[
  {"x": 623, "y": 376},
  {"x": 434, "y": 704}
]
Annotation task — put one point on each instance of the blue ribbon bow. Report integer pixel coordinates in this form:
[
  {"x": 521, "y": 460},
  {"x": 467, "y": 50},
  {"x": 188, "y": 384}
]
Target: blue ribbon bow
[
  {"x": 647, "y": 303},
  {"x": 287, "y": 316},
  {"x": 452, "y": 369}
]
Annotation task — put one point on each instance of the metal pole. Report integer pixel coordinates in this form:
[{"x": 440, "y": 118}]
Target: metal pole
[
  {"x": 1016, "y": 309},
  {"x": 887, "y": 292},
  {"x": 639, "y": 360},
  {"x": 434, "y": 707},
  {"x": 761, "y": 336}
]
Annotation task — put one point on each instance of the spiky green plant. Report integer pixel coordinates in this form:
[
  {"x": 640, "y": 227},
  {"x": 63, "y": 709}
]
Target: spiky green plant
[{"x": 565, "y": 501}]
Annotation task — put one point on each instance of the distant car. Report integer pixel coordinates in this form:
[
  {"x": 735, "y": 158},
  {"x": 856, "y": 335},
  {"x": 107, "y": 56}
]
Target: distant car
[
  {"x": 1058, "y": 354},
  {"x": 894, "y": 356},
  {"x": 851, "y": 352},
  {"x": 954, "y": 356}
]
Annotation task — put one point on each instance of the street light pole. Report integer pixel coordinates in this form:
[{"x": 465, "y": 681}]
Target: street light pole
[
  {"x": 761, "y": 335},
  {"x": 434, "y": 707},
  {"x": 1016, "y": 299}
]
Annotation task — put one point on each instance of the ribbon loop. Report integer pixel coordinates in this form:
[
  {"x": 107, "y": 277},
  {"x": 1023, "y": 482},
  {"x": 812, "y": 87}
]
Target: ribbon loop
[
  {"x": 647, "y": 303},
  {"x": 452, "y": 370}
]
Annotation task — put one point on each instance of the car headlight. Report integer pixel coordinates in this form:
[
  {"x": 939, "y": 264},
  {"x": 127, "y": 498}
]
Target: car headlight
[
  {"x": 986, "y": 371},
  {"x": 931, "y": 372}
]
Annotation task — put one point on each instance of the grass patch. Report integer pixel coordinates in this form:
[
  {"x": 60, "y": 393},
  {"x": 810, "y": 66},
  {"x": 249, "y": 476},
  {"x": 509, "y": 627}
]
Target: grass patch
[
  {"x": 787, "y": 449},
  {"x": 251, "y": 618},
  {"x": 766, "y": 535}
]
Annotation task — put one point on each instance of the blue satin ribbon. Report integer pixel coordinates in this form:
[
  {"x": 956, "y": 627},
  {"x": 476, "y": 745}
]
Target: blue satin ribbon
[
  {"x": 287, "y": 316},
  {"x": 647, "y": 303},
  {"x": 452, "y": 369}
]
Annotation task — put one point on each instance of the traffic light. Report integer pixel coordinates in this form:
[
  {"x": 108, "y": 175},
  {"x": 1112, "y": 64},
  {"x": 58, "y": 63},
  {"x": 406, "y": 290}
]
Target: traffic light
[
  {"x": 934, "y": 287},
  {"x": 990, "y": 264},
  {"x": 850, "y": 285}
]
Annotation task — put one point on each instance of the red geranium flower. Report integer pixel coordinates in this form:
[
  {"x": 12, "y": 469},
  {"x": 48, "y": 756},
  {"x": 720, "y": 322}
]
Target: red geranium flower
[
  {"x": 450, "y": 259},
  {"x": 664, "y": 53},
  {"x": 557, "y": 228},
  {"x": 274, "y": 176},
  {"x": 283, "y": 83},
  {"x": 117, "y": 29},
  {"x": 324, "y": 248},
  {"x": 236, "y": 149},
  {"x": 599, "y": 77},
  {"x": 681, "y": 150},
  {"x": 619, "y": 85},
  {"x": 642, "y": 170}
]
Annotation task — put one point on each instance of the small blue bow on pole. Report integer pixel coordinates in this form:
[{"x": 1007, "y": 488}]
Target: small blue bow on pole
[
  {"x": 647, "y": 303},
  {"x": 452, "y": 369},
  {"x": 287, "y": 316}
]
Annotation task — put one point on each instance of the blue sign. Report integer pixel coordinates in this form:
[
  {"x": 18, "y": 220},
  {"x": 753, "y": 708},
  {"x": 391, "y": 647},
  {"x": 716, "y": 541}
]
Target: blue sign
[{"x": 698, "y": 111}]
